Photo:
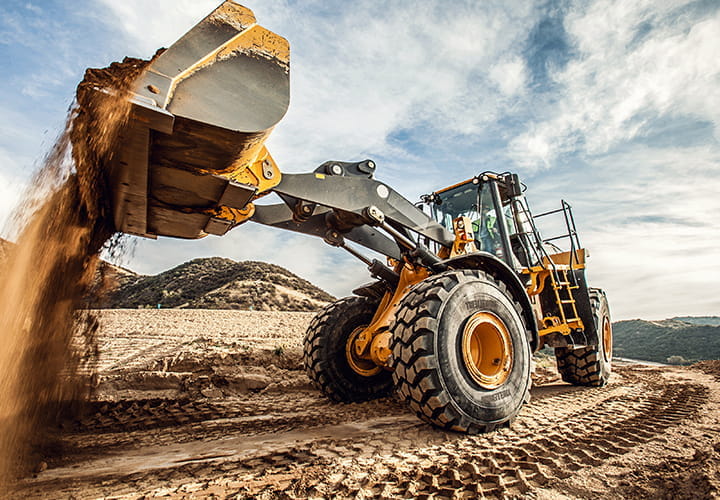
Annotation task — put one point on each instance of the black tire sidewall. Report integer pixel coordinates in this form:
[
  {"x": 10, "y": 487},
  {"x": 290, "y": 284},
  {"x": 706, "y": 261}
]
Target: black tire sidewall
[
  {"x": 477, "y": 403},
  {"x": 348, "y": 384},
  {"x": 602, "y": 312}
]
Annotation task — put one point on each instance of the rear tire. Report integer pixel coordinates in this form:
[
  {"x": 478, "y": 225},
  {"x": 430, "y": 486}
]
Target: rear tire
[
  {"x": 326, "y": 357},
  {"x": 591, "y": 365},
  {"x": 445, "y": 382}
]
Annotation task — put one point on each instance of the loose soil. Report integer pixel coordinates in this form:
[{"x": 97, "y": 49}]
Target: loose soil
[
  {"x": 60, "y": 228},
  {"x": 196, "y": 404}
]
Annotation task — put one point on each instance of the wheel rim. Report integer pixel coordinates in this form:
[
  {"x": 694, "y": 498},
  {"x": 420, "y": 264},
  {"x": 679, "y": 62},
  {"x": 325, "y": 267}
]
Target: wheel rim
[
  {"x": 487, "y": 350},
  {"x": 607, "y": 339},
  {"x": 361, "y": 366}
]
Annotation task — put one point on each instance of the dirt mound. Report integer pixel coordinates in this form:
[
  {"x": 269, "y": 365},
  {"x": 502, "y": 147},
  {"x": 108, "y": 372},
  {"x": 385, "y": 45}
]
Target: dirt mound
[
  {"x": 207, "y": 368},
  {"x": 219, "y": 283},
  {"x": 711, "y": 367},
  {"x": 60, "y": 229},
  {"x": 180, "y": 353}
]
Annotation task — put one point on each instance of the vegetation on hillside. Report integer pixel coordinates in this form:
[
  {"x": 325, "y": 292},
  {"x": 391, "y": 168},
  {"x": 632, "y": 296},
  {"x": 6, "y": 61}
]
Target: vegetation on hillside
[
  {"x": 668, "y": 341},
  {"x": 219, "y": 283},
  {"x": 700, "y": 320}
]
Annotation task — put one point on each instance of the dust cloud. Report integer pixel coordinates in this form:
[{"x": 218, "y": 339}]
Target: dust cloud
[{"x": 47, "y": 340}]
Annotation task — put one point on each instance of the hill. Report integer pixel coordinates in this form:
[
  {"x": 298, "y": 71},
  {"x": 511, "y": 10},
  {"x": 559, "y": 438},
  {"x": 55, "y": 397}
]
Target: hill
[
  {"x": 700, "y": 320},
  {"x": 217, "y": 283},
  {"x": 211, "y": 283},
  {"x": 677, "y": 340}
]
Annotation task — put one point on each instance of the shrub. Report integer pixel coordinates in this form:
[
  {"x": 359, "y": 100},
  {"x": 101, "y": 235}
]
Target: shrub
[{"x": 677, "y": 360}]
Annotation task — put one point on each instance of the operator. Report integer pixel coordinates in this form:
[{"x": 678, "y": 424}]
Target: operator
[{"x": 487, "y": 232}]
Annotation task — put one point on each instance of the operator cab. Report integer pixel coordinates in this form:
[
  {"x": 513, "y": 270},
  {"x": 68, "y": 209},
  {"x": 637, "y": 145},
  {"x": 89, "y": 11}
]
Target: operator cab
[{"x": 493, "y": 202}]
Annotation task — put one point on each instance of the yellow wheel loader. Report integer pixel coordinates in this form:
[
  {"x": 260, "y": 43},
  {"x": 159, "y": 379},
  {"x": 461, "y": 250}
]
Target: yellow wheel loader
[{"x": 469, "y": 288}]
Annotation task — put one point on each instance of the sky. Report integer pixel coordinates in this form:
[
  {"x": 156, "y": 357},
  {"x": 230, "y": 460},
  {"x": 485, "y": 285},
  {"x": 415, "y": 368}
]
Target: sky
[{"x": 613, "y": 106}]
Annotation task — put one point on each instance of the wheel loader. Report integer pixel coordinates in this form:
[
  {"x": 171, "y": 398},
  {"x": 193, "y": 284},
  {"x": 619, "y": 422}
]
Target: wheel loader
[{"x": 468, "y": 289}]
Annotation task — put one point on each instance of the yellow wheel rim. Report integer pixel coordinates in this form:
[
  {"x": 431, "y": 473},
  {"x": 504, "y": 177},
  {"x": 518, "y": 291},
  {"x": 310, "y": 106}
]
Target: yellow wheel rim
[
  {"x": 607, "y": 339},
  {"x": 487, "y": 350},
  {"x": 364, "y": 367}
]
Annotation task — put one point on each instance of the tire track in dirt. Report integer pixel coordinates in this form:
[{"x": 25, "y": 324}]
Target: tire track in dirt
[
  {"x": 116, "y": 426},
  {"x": 455, "y": 470},
  {"x": 299, "y": 445},
  {"x": 138, "y": 357}
]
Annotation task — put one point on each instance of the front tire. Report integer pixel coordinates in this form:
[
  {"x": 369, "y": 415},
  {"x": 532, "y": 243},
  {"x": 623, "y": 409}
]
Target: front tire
[
  {"x": 329, "y": 359},
  {"x": 591, "y": 365},
  {"x": 461, "y": 355}
]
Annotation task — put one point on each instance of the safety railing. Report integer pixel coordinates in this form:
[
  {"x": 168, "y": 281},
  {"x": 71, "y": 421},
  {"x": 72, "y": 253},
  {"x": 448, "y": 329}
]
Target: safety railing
[{"x": 571, "y": 231}]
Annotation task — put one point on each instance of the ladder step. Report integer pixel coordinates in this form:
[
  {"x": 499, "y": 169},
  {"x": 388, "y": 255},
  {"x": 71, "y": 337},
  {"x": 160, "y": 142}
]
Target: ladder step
[{"x": 571, "y": 301}]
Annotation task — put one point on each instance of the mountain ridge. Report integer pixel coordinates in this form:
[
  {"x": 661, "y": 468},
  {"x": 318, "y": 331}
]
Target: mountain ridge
[{"x": 678, "y": 340}]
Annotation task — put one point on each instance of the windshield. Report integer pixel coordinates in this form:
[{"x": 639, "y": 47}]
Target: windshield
[
  {"x": 454, "y": 203},
  {"x": 477, "y": 204}
]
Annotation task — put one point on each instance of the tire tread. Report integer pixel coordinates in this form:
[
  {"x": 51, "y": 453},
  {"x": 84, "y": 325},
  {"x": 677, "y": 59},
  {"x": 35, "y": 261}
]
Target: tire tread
[
  {"x": 412, "y": 346},
  {"x": 316, "y": 363},
  {"x": 584, "y": 366}
]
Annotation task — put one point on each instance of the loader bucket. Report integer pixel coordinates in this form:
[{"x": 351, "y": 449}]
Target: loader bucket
[{"x": 192, "y": 157}]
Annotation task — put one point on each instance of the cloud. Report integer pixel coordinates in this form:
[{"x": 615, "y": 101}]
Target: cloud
[
  {"x": 650, "y": 275},
  {"x": 33, "y": 8},
  {"x": 509, "y": 76},
  {"x": 356, "y": 82},
  {"x": 627, "y": 131},
  {"x": 144, "y": 32},
  {"x": 647, "y": 216},
  {"x": 637, "y": 63}
]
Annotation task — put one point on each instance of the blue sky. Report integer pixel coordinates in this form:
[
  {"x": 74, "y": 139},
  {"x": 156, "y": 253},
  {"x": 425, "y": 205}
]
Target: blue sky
[{"x": 611, "y": 105}]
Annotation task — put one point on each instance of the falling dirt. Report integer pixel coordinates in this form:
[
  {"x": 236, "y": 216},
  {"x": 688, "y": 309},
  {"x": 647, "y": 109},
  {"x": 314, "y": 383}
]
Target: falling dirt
[
  {"x": 652, "y": 432},
  {"x": 59, "y": 229}
]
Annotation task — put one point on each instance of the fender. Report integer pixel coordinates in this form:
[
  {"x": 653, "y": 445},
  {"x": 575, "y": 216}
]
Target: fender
[{"x": 485, "y": 261}]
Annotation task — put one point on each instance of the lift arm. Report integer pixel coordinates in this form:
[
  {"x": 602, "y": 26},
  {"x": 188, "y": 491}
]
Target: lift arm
[
  {"x": 320, "y": 225},
  {"x": 347, "y": 203}
]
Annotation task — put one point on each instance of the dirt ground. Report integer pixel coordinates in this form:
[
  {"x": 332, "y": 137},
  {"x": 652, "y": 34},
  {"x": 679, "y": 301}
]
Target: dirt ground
[{"x": 196, "y": 404}]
